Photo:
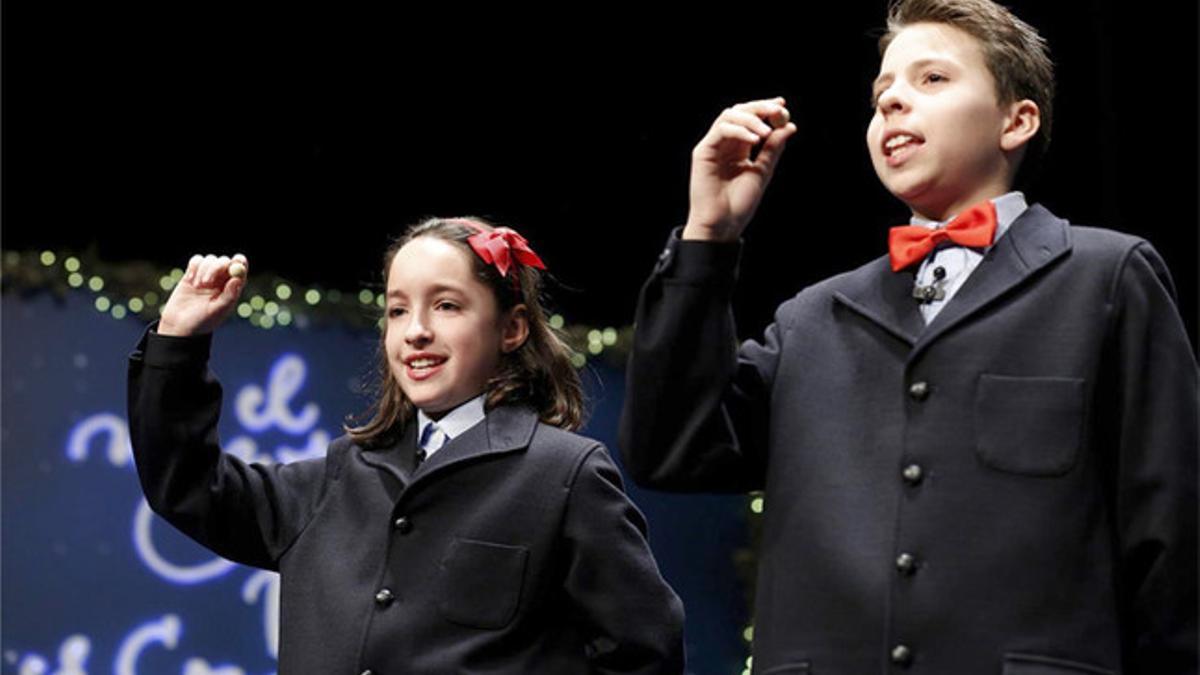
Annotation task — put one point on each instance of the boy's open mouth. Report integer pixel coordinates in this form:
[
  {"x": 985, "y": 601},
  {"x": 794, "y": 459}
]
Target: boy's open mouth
[{"x": 899, "y": 144}]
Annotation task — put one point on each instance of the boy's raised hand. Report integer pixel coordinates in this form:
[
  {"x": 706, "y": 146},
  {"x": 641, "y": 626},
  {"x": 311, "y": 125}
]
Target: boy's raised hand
[
  {"x": 205, "y": 295},
  {"x": 726, "y": 185}
]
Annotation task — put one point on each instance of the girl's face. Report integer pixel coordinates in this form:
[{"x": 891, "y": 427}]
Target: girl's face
[{"x": 445, "y": 333}]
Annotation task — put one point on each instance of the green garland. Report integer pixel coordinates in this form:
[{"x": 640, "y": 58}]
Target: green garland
[{"x": 139, "y": 289}]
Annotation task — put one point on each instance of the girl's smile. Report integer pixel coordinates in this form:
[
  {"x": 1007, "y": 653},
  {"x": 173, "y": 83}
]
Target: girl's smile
[{"x": 422, "y": 365}]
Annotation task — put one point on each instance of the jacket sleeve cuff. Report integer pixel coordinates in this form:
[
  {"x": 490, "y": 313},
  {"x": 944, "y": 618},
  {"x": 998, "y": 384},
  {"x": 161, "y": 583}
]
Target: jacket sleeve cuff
[
  {"x": 170, "y": 351},
  {"x": 699, "y": 262}
]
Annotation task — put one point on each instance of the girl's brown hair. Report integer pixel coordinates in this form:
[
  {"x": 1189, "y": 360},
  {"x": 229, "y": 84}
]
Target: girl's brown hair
[{"x": 538, "y": 374}]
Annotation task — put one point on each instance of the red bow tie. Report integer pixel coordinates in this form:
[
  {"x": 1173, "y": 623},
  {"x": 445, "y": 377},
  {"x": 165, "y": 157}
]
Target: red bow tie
[{"x": 975, "y": 227}]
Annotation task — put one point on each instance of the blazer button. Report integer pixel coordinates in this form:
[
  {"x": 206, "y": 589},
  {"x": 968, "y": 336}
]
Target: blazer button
[
  {"x": 919, "y": 391},
  {"x": 906, "y": 564},
  {"x": 902, "y": 655},
  {"x": 664, "y": 260},
  {"x": 403, "y": 525},
  {"x": 384, "y": 597},
  {"x": 912, "y": 474}
]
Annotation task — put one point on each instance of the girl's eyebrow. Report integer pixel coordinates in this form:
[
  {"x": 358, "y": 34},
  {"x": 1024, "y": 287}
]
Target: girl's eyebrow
[
  {"x": 436, "y": 288},
  {"x": 446, "y": 288}
]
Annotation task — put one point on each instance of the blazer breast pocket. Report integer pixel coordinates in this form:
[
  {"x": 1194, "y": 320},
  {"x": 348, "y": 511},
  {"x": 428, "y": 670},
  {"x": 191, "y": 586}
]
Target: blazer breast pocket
[
  {"x": 1031, "y": 426},
  {"x": 802, "y": 668},
  {"x": 480, "y": 583},
  {"x": 1032, "y": 664}
]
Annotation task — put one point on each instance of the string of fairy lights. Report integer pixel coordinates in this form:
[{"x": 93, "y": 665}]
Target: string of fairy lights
[
  {"x": 746, "y": 564},
  {"x": 138, "y": 291}
]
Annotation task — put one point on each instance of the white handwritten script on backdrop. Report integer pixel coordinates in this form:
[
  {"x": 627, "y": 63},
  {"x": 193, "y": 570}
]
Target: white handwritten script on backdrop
[{"x": 259, "y": 410}]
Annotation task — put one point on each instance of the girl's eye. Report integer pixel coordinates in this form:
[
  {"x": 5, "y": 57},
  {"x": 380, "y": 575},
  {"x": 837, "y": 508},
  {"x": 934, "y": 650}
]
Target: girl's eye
[
  {"x": 396, "y": 311},
  {"x": 447, "y": 305},
  {"x": 935, "y": 77}
]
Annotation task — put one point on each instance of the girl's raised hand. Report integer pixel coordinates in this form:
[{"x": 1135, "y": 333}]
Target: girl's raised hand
[
  {"x": 726, "y": 184},
  {"x": 205, "y": 295}
]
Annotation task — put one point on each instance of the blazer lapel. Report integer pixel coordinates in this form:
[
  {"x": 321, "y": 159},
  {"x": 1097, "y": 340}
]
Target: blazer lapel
[
  {"x": 1035, "y": 239},
  {"x": 505, "y": 429},
  {"x": 395, "y": 459},
  {"x": 884, "y": 297}
]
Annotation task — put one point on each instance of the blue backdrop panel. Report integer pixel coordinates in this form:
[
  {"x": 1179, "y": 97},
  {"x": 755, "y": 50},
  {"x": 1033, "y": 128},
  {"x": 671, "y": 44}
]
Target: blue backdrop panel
[{"x": 94, "y": 583}]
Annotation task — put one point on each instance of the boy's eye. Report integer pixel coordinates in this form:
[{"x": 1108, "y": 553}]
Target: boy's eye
[
  {"x": 447, "y": 305},
  {"x": 396, "y": 311},
  {"x": 935, "y": 77}
]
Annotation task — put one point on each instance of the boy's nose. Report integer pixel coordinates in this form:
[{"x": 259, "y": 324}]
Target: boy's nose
[{"x": 892, "y": 100}]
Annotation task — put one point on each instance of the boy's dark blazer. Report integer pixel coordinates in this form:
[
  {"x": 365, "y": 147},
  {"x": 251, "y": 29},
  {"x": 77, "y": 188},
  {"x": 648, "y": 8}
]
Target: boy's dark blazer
[
  {"x": 500, "y": 554},
  {"x": 1009, "y": 489}
]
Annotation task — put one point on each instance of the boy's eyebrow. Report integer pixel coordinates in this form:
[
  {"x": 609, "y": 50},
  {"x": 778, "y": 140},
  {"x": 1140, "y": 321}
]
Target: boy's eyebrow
[
  {"x": 932, "y": 60},
  {"x": 886, "y": 78}
]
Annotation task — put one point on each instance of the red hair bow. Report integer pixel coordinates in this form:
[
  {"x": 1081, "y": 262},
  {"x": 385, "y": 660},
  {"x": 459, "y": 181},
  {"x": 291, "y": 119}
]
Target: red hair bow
[{"x": 502, "y": 247}]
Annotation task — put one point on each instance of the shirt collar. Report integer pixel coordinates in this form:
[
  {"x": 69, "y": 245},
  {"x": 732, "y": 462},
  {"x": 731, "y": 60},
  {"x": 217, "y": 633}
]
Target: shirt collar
[
  {"x": 455, "y": 422},
  {"x": 1008, "y": 208}
]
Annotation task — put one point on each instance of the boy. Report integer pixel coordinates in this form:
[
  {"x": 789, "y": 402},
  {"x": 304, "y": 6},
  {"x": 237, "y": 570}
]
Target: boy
[{"x": 979, "y": 451}]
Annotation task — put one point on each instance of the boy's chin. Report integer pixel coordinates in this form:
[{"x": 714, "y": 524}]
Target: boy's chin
[
  {"x": 908, "y": 188},
  {"x": 920, "y": 200},
  {"x": 915, "y": 201}
]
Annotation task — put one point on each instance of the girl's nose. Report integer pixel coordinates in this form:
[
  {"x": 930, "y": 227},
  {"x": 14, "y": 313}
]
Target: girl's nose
[{"x": 417, "y": 331}]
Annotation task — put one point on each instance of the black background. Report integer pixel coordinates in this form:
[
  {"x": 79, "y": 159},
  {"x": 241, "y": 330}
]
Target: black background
[{"x": 307, "y": 138}]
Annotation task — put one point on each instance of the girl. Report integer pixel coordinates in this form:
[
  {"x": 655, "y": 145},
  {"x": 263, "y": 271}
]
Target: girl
[{"x": 463, "y": 528}]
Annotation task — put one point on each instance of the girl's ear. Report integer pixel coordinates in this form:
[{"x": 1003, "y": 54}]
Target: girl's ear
[{"x": 515, "y": 329}]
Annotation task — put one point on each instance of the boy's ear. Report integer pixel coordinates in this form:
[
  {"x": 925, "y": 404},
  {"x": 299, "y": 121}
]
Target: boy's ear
[
  {"x": 515, "y": 330},
  {"x": 1022, "y": 124}
]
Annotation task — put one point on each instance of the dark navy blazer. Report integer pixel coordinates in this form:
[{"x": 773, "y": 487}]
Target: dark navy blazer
[
  {"x": 1010, "y": 489},
  {"x": 513, "y": 549}
]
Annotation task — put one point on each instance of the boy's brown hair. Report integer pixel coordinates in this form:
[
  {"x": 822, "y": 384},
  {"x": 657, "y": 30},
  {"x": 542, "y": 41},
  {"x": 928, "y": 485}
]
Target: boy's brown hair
[{"x": 1017, "y": 56}]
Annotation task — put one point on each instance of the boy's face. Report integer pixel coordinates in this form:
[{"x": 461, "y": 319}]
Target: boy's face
[{"x": 935, "y": 138}]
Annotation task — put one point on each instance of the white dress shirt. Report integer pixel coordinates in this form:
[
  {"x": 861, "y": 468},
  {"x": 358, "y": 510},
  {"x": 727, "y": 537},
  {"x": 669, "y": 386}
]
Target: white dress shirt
[{"x": 453, "y": 423}]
